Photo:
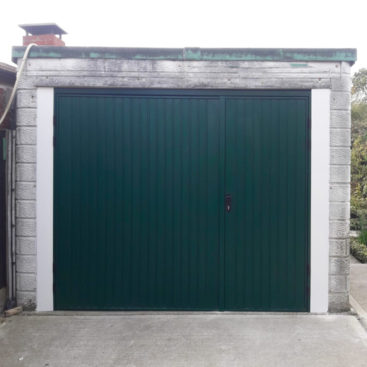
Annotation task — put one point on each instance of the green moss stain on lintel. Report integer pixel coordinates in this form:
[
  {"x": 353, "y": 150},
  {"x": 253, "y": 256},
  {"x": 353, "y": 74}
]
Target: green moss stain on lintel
[
  {"x": 332, "y": 56},
  {"x": 35, "y": 54},
  {"x": 192, "y": 54},
  {"x": 198, "y": 54},
  {"x": 235, "y": 57},
  {"x": 97, "y": 55},
  {"x": 299, "y": 65},
  {"x": 157, "y": 57}
]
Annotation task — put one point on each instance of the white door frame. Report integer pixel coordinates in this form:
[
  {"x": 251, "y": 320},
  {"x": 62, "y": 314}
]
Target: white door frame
[
  {"x": 320, "y": 178},
  {"x": 320, "y": 155},
  {"x": 44, "y": 198}
]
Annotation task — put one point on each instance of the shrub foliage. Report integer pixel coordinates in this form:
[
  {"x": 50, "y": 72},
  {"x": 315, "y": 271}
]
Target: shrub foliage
[
  {"x": 359, "y": 151},
  {"x": 359, "y": 251}
]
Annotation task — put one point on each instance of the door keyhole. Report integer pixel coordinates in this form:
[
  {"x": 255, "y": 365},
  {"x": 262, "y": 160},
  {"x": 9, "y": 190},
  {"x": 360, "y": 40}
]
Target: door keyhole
[{"x": 228, "y": 202}]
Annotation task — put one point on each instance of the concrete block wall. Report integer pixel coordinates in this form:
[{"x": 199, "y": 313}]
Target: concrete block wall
[
  {"x": 26, "y": 198},
  {"x": 105, "y": 73},
  {"x": 340, "y": 145}
]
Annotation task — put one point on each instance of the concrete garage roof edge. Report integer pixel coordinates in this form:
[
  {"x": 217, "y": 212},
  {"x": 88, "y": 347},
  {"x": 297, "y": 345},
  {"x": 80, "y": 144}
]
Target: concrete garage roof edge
[{"x": 190, "y": 54}]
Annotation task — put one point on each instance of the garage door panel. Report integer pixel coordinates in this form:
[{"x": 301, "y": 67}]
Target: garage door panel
[
  {"x": 143, "y": 200},
  {"x": 266, "y": 246},
  {"x": 139, "y": 185}
]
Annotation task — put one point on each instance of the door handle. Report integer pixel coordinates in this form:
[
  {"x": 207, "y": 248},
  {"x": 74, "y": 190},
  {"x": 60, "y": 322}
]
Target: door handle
[{"x": 228, "y": 202}]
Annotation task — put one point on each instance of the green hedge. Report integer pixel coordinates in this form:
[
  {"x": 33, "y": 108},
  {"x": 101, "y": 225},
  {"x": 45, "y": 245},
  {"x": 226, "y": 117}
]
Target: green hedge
[{"x": 358, "y": 250}]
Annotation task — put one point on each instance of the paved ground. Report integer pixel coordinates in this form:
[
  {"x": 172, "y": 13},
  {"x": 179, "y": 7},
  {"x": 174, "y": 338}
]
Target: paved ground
[
  {"x": 358, "y": 282},
  {"x": 183, "y": 340},
  {"x": 358, "y": 289}
]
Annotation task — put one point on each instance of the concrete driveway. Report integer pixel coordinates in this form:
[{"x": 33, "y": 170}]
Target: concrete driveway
[
  {"x": 211, "y": 339},
  {"x": 358, "y": 286}
]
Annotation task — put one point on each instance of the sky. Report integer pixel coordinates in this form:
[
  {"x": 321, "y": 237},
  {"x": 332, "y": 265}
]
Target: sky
[{"x": 193, "y": 23}]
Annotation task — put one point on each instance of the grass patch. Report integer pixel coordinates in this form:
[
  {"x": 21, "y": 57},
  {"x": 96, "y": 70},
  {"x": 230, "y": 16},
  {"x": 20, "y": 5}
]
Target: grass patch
[
  {"x": 358, "y": 250},
  {"x": 362, "y": 238}
]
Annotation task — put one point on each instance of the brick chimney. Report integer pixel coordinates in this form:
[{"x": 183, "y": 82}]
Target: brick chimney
[{"x": 47, "y": 34}]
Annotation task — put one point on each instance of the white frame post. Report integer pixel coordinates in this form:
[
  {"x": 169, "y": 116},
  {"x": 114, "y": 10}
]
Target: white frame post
[
  {"x": 320, "y": 177},
  {"x": 44, "y": 192}
]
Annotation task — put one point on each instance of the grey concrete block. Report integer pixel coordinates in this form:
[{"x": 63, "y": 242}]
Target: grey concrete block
[
  {"x": 338, "y": 247},
  {"x": 340, "y": 100},
  {"x": 340, "y": 174},
  {"x": 345, "y": 67},
  {"x": 340, "y": 156},
  {"x": 25, "y": 191},
  {"x": 339, "y": 229},
  {"x": 340, "y": 137},
  {"x": 339, "y": 265},
  {"x": 339, "y": 193},
  {"x": 340, "y": 119},
  {"x": 338, "y": 283},
  {"x": 27, "y": 299},
  {"x": 339, "y": 302},
  {"x": 26, "y": 263},
  {"x": 26, "y": 116},
  {"x": 26, "y": 172},
  {"x": 26, "y": 209},
  {"x": 343, "y": 83},
  {"x": 339, "y": 210},
  {"x": 27, "y": 98},
  {"x": 26, "y": 282},
  {"x": 26, "y": 154},
  {"x": 26, "y": 135},
  {"x": 25, "y": 227},
  {"x": 26, "y": 245}
]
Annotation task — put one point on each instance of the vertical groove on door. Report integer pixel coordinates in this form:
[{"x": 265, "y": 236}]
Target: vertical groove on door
[{"x": 249, "y": 205}]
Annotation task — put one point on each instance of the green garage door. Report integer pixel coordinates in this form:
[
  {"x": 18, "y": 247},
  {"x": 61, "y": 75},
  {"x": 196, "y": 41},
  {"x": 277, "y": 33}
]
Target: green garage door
[{"x": 181, "y": 200}]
